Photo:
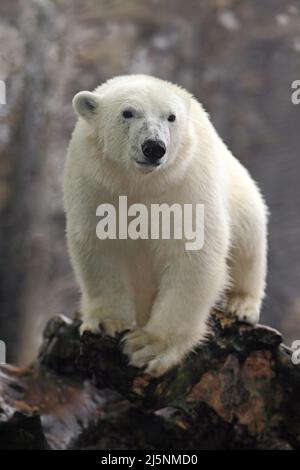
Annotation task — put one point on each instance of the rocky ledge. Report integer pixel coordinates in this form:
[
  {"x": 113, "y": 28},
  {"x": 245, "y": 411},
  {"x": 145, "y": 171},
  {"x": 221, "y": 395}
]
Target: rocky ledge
[{"x": 239, "y": 390}]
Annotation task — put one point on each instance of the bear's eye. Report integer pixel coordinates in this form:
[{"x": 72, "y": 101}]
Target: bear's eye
[
  {"x": 171, "y": 117},
  {"x": 127, "y": 114}
]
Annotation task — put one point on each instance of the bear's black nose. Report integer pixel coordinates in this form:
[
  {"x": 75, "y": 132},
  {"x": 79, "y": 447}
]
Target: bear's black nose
[{"x": 153, "y": 150}]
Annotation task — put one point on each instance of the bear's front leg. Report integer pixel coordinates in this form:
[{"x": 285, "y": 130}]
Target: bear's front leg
[
  {"x": 106, "y": 301},
  {"x": 188, "y": 289}
]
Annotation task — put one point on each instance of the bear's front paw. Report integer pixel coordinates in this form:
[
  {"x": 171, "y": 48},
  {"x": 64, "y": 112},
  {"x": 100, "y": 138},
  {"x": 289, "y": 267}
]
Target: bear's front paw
[
  {"x": 108, "y": 326},
  {"x": 244, "y": 307},
  {"x": 146, "y": 349}
]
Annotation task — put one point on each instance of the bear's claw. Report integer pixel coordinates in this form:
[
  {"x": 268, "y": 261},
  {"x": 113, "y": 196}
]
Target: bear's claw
[
  {"x": 144, "y": 349},
  {"x": 109, "y": 326}
]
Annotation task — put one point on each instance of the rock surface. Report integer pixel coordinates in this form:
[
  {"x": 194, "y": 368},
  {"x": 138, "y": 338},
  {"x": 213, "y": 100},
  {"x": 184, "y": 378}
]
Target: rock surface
[{"x": 238, "y": 391}]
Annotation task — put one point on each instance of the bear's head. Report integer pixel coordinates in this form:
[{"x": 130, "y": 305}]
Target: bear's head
[{"x": 140, "y": 122}]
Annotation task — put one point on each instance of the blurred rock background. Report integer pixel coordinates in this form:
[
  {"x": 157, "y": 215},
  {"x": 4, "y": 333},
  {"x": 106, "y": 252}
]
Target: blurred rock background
[{"x": 239, "y": 57}]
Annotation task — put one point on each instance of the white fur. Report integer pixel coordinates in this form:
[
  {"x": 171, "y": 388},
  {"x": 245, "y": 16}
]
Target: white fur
[{"x": 155, "y": 287}]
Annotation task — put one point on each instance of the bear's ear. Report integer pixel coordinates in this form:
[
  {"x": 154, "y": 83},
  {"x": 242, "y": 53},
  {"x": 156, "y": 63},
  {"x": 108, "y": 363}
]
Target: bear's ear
[{"x": 85, "y": 104}]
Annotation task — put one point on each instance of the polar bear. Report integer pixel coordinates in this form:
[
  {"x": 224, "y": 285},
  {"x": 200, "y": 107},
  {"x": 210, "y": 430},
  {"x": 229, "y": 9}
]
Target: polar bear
[{"x": 152, "y": 141}]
